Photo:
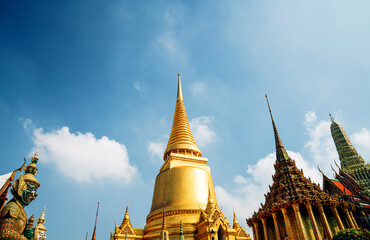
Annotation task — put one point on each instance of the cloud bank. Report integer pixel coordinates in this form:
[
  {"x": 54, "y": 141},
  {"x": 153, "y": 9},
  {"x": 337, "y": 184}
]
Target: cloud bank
[{"x": 83, "y": 157}]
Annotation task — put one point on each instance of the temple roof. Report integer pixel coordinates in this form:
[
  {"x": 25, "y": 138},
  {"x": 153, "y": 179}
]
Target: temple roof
[
  {"x": 289, "y": 185},
  {"x": 181, "y": 137}
]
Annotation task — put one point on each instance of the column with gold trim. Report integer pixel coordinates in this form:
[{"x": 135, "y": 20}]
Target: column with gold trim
[
  {"x": 264, "y": 224},
  {"x": 298, "y": 218},
  {"x": 349, "y": 218},
  {"x": 313, "y": 221},
  {"x": 288, "y": 226},
  {"x": 325, "y": 221},
  {"x": 277, "y": 233},
  {"x": 353, "y": 219},
  {"x": 337, "y": 217},
  {"x": 256, "y": 235}
]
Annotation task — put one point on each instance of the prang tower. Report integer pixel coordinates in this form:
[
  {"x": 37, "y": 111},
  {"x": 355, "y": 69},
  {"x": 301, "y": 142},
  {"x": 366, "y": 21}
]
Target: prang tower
[
  {"x": 350, "y": 161},
  {"x": 185, "y": 184}
]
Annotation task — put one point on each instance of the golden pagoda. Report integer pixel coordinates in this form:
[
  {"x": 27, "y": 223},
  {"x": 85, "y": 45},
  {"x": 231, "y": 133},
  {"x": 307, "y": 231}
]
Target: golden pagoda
[
  {"x": 40, "y": 230},
  {"x": 185, "y": 184},
  {"x": 297, "y": 208}
]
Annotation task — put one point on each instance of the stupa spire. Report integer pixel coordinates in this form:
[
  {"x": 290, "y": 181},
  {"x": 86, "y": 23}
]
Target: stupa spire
[
  {"x": 96, "y": 220},
  {"x": 281, "y": 154},
  {"x": 235, "y": 221},
  {"x": 349, "y": 158},
  {"x": 181, "y": 139},
  {"x": 181, "y": 235},
  {"x": 164, "y": 233},
  {"x": 179, "y": 90}
]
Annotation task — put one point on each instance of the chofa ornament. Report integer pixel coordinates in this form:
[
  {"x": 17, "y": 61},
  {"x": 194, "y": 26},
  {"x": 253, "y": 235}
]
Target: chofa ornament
[{"x": 13, "y": 218}]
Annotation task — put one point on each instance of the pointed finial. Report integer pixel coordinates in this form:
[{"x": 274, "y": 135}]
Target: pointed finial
[
  {"x": 278, "y": 142},
  {"x": 35, "y": 157},
  {"x": 331, "y": 118},
  {"x": 235, "y": 221},
  {"x": 127, "y": 216},
  {"x": 96, "y": 220},
  {"x": 179, "y": 90}
]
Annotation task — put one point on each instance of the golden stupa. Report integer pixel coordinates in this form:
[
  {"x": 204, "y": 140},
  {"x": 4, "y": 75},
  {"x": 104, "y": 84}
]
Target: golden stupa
[{"x": 184, "y": 203}]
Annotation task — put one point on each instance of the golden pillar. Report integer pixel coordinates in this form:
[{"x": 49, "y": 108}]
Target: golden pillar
[
  {"x": 277, "y": 233},
  {"x": 264, "y": 224},
  {"x": 287, "y": 223},
  {"x": 337, "y": 217},
  {"x": 325, "y": 221},
  {"x": 256, "y": 234},
  {"x": 349, "y": 218},
  {"x": 313, "y": 220},
  {"x": 298, "y": 217},
  {"x": 353, "y": 218}
]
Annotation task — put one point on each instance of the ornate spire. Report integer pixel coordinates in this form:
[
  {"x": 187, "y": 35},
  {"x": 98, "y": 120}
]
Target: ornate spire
[
  {"x": 349, "y": 158},
  {"x": 40, "y": 230},
  {"x": 181, "y": 236},
  {"x": 96, "y": 219},
  {"x": 164, "y": 233},
  {"x": 181, "y": 138},
  {"x": 126, "y": 218},
  {"x": 31, "y": 170},
  {"x": 281, "y": 154},
  {"x": 235, "y": 221}
]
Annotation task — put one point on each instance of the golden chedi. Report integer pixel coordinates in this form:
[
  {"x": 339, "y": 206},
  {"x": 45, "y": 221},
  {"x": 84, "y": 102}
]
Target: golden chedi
[{"x": 185, "y": 184}]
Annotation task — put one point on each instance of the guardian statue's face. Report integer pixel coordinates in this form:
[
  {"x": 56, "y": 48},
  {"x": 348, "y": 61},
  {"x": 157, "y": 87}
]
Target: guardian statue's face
[{"x": 29, "y": 194}]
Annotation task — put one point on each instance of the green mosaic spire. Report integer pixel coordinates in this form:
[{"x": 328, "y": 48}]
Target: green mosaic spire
[{"x": 350, "y": 160}]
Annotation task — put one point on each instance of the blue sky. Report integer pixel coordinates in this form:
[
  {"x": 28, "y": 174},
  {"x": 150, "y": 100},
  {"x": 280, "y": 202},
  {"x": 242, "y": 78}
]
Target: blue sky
[{"x": 92, "y": 84}]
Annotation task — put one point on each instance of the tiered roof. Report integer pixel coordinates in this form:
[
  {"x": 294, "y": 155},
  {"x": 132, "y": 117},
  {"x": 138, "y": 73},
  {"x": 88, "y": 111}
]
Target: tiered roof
[{"x": 289, "y": 184}]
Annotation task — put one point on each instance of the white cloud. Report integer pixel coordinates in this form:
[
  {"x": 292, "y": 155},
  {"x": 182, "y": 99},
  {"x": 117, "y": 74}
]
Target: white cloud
[
  {"x": 201, "y": 128},
  {"x": 156, "y": 151},
  {"x": 138, "y": 86},
  {"x": 198, "y": 88},
  {"x": 361, "y": 140},
  {"x": 168, "y": 42},
  {"x": 83, "y": 157},
  {"x": 320, "y": 145}
]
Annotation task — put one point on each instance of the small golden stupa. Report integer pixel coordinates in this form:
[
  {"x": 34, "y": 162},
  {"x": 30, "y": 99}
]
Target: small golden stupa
[{"x": 185, "y": 185}]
